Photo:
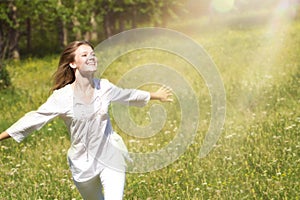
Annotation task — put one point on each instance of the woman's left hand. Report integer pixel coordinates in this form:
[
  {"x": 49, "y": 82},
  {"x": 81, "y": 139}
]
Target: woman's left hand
[{"x": 163, "y": 94}]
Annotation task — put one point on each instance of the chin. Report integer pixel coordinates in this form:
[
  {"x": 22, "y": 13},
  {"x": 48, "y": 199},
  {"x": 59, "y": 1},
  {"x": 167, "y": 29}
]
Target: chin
[{"x": 92, "y": 69}]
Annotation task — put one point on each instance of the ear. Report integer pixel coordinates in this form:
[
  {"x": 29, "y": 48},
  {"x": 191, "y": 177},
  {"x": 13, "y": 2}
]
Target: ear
[{"x": 73, "y": 65}]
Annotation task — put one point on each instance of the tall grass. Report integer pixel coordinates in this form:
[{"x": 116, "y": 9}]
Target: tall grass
[{"x": 256, "y": 157}]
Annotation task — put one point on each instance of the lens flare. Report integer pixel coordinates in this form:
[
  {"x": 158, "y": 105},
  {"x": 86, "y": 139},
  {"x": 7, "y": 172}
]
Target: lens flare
[
  {"x": 275, "y": 35},
  {"x": 263, "y": 69},
  {"x": 222, "y": 6}
]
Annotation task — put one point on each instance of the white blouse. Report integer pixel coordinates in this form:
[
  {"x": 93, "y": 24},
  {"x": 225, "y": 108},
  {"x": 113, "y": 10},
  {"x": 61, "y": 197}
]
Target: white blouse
[{"x": 94, "y": 144}]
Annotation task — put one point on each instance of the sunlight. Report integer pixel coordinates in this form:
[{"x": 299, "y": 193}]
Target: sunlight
[
  {"x": 282, "y": 15},
  {"x": 222, "y": 6},
  {"x": 266, "y": 66},
  {"x": 275, "y": 37}
]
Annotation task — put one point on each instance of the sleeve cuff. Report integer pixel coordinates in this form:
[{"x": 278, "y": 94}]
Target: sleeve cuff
[{"x": 16, "y": 137}]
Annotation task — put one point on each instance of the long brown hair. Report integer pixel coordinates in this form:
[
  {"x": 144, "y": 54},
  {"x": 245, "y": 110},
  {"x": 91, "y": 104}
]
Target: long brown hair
[{"x": 65, "y": 74}]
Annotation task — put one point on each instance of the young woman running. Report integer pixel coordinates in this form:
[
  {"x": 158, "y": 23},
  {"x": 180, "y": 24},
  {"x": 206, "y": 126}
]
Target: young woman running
[{"x": 96, "y": 157}]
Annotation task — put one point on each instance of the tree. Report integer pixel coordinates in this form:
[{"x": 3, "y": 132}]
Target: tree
[
  {"x": 9, "y": 34},
  {"x": 39, "y": 27}
]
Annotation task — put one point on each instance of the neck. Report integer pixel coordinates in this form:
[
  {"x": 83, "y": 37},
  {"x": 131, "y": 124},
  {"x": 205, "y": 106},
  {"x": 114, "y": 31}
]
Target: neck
[{"x": 84, "y": 82}]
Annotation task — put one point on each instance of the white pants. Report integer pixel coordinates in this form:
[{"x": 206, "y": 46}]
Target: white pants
[{"x": 109, "y": 180}]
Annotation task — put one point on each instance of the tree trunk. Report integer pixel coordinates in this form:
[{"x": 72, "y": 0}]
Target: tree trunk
[
  {"x": 78, "y": 33},
  {"x": 134, "y": 17},
  {"x": 92, "y": 34},
  {"x": 107, "y": 23},
  {"x": 76, "y": 23},
  {"x": 28, "y": 34},
  {"x": 65, "y": 40},
  {"x": 121, "y": 23},
  {"x": 3, "y": 42},
  {"x": 62, "y": 34},
  {"x": 62, "y": 31},
  {"x": 14, "y": 34}
]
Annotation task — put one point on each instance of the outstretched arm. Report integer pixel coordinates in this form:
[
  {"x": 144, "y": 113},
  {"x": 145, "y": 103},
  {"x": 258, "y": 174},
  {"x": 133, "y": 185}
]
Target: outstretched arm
[
  {"x": 163, "y": 94},
  {"x": 35, "y": 120},
  {"x": 4, "y": 135},
  {"x": 135, "y": 97}
]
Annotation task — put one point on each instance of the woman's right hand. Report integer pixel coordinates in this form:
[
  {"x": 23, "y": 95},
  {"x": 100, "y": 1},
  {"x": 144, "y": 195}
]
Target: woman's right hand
[{"x": 4, "y": 135}]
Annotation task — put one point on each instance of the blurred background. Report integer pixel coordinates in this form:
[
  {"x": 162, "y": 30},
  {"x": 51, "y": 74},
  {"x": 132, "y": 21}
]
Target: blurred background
[{"x": 41, "y": 27}]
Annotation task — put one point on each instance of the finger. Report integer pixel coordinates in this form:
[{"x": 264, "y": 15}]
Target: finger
[
  {"x": 167, "y": 88},
  {"x": 169, "y": 100}
]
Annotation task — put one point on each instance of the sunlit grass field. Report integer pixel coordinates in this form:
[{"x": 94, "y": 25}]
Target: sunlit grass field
[{"x": 256, "y": 157}]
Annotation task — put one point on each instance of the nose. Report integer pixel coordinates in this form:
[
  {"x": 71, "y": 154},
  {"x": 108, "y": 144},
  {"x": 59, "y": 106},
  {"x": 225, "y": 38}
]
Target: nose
[{"x": 92, "y": 57}]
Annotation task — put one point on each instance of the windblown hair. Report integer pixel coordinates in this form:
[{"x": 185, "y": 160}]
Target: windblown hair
[{"x": 65, "y": 74}]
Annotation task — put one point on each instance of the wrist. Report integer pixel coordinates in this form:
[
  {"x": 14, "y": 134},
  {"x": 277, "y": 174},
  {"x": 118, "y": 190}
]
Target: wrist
[{"x": 154, "y": 96}]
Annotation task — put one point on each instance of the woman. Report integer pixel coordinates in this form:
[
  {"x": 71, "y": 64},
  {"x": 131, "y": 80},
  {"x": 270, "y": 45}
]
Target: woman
[{"x": 96, "y": 156}]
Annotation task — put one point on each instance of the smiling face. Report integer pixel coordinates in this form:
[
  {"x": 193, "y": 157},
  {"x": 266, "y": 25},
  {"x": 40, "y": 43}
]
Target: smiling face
[{"x": 85, "y": 60}]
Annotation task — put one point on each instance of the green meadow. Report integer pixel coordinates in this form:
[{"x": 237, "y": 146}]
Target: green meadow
[{"x": 256, "y": 157}]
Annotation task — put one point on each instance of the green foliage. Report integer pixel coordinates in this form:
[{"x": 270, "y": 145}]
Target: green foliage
[
  {"x": 44, "y": 27},
  {"x": 256, "y": 157},
  {"x": 4, "y": 77}
]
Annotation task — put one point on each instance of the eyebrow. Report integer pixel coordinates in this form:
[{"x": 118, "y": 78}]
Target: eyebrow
[{"x": 87, "y": 52}]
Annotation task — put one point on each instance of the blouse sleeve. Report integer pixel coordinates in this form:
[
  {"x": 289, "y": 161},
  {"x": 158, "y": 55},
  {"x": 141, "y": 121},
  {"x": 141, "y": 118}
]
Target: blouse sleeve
[
  {"x": 131, "y": 97},
  {"x": 35, "y": 120}
]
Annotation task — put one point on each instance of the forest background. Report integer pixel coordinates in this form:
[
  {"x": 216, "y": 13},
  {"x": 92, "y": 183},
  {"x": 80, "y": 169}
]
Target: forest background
[{"x": 41, "y": 27}]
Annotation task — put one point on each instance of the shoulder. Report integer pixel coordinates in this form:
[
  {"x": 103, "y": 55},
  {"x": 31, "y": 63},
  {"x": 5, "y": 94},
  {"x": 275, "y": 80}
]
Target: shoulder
[
  {"x": 63, "y": 92},
  {"x": 103, "y": 84},
  {"x": 105, "y": 81},
  {"x": 104, "y": 87}
]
